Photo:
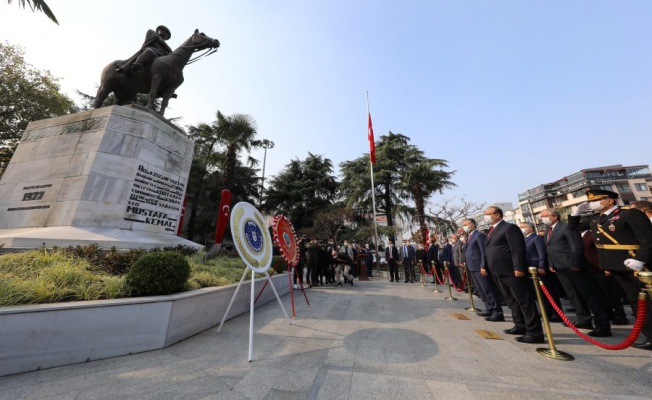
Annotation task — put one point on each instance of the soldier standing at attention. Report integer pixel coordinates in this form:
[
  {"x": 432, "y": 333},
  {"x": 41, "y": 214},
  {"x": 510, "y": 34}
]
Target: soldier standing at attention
[{"x": 623, "y": 238}]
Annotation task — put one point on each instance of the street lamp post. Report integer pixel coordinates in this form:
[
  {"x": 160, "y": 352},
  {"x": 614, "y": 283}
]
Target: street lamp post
[{"x": 267, "y": 144}]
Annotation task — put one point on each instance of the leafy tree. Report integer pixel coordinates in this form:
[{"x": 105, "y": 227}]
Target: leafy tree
[
  {"x": 38, "y": 5},
  {"x": 28, "y": 94},
  {"x": 402, "y": 175},
  {"x": 302, "y": 189}
]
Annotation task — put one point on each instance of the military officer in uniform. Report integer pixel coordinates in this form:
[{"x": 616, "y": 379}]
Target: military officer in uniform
[{"x": 624, "y": 241}]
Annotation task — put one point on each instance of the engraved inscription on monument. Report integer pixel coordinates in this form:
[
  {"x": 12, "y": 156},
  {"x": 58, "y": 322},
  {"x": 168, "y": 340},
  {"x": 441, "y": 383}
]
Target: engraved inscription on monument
[{"x": 155, "y": 198}]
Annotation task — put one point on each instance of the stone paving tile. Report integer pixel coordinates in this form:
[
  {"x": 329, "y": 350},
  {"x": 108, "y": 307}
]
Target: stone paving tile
[{"x": 375, "y": 340}]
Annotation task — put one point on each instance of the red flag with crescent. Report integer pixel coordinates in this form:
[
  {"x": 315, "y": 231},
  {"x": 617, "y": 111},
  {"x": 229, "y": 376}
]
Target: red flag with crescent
[
  {"x": 223, "y": 215},
  {"x": 372, "y": 144}
]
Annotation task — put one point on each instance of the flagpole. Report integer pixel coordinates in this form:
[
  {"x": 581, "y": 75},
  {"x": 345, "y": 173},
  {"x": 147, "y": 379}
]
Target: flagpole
[{"x": 373, "y": 198}]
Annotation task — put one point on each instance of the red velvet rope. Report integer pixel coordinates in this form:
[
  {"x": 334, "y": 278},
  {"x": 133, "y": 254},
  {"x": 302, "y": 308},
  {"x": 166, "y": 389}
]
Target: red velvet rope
[
  {"x": 442, "y": 280},
  {"x": 453, "y": 283},
  {"x": 633, "y": 335}
]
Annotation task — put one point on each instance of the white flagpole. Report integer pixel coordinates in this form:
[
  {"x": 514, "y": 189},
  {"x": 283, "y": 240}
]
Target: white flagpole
[{"x": 373, "y": 195}]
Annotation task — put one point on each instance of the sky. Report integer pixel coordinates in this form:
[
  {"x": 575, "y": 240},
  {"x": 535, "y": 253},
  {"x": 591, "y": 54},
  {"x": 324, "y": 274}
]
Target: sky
[{"x": 512, "y": 94}]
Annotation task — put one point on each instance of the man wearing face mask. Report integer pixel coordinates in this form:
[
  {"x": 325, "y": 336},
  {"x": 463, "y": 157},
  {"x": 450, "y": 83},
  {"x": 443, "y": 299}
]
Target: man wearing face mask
[
  {"x": 566, "y": 260},
  {"x": 505, "y": 252},
  {"x": 475, "y": 260},
  {"x": 535, "y": 252},
  {"x": 624, "y": 241}
]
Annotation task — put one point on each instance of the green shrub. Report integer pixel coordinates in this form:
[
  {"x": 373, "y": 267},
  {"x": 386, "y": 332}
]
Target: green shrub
[{"x": 159, "y": 273}]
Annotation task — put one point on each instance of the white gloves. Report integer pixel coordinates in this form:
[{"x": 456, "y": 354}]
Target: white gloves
[
  {"x": 582, "y": 209},
  {"x": 634, "y": 264}
]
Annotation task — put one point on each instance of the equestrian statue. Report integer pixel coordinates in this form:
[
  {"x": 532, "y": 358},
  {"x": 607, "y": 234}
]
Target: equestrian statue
[{"x": 155, "y": 69}]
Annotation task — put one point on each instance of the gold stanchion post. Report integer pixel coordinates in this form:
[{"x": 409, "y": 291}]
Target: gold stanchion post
[
  {"x": 468, "y": 287},
  {"x": 448, "y": 282},
  {"x": 646, "y": 278},
  {"x": 423, "y": 273},
  {"x": 552, "y": 352},
  {"x": 434, "y": 277}
]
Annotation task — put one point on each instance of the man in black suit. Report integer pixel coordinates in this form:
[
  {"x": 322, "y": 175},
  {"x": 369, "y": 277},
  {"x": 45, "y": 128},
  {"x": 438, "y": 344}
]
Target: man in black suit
[
  {"x": 391, "y": 256},
  {"x": 624, "y": 241},
  {"x": 566, "y": 259},
  {"x": 474, "y": 253},
  {"x": 408, "y": 257},
  {"x": 433, "y": 258},
  {"x": 505, "y": 252}
]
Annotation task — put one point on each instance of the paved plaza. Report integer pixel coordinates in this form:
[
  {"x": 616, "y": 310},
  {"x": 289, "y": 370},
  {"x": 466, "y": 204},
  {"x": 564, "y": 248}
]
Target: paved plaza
[{"x": 374, "y": 340}]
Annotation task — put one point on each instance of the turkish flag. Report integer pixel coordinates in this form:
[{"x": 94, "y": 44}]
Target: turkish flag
[
  {"x": 223, "y": 215},
  {"x": 372, "y": 144}
]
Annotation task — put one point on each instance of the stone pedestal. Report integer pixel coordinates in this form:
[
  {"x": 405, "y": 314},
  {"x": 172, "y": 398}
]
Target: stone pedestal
[{"x": 115, "y": 176}]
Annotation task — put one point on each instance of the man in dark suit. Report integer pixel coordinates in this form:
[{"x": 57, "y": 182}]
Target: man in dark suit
[
  {"x": 433, "y": 257},
  {"x": 536, "y": 255},
  {"x": 624, "y": 241},
  {"x": 566, "y": 259},
  {"x": 408, "y": 257},
  {"x": 391, "y": 256},
  {"x": 505, "y": 252},
  {"x": 446, "y": 260},
  {"x": 475, "y": 260}
]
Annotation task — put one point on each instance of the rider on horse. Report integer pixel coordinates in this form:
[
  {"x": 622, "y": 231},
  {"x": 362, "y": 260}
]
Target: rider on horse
[{"x": 153, "y": 47}]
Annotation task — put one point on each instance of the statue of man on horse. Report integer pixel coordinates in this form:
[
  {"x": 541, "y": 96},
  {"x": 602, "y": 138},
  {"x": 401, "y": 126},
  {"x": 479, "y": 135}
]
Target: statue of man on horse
[{"x": 155, "y": 69}]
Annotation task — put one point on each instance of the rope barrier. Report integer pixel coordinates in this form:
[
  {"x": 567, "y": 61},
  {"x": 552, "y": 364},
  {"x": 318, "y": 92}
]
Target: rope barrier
[
  {"x": 633, "y": 335},
  {"x": 463, "y": 284},
  {"x": 443, "y": 278}
]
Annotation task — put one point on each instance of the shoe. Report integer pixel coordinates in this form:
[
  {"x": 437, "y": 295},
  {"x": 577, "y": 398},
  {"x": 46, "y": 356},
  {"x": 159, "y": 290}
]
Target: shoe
[
  {"x": 620, "y": 321},
  {"x": 496, "y": 318},
  {"x": 647, "y": 345},
  {"x": 485, "y": 313},
  {"x": 392, "y": 280},
  {"x": 406, "y": 281},
  {"x": 339, "y": 284},
  {"x": 581, "y": 325},
  {"x": 515, "y": 331},
  {"x": 600, "y": 333},
  {"x": 351, "y": 283},
  {"x": 529, "y": 339},
  {"x": 570, "y": 309},
  {"x": 554, "y": 318},
  {"x": 295, "y": 287}
]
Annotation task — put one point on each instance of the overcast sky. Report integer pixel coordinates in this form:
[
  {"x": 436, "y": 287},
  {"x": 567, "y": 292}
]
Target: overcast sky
[{"x": 512, "y": 93}]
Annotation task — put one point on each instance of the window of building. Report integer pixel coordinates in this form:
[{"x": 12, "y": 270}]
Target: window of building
[
  {"x": 641, "y": 187},
  {"x": 623, "y": 188},
  {"x": 604, "y": 187},
  {"x": 539, "y": 203},
  {"x": 579, "y": 193}
]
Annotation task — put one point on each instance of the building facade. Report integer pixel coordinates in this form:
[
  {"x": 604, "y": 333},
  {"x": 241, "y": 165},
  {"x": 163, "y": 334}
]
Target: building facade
[{"x": 630, "y": 182}]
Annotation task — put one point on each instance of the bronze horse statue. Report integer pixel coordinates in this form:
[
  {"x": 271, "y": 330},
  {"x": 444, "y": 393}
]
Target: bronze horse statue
[{"x": 159, "y": 79}]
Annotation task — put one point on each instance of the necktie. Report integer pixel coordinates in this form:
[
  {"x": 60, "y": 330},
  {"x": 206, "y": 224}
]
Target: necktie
[
  {"x": 549, "y": 234},
  {"x": 490, "y": 230}
]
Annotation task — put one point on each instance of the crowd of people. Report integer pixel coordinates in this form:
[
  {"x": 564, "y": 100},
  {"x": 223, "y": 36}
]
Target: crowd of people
[
  {"x": 324, "y": 263},
  {"x": 590, "y": 260}
]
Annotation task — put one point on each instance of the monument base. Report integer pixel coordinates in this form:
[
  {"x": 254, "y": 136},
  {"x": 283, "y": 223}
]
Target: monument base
[{"x": 64, "y": 236}]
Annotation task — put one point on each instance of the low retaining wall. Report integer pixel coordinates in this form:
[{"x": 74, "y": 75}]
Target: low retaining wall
[{"x": 51, "y": 335}]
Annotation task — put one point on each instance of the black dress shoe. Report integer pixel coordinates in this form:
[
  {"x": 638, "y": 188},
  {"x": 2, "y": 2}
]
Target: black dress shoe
[
  {"x": 496, "y": 318},
  {"x": 600, "y": 333},
  {"x": 647, "y": 345},
  {"x": 554, "y": 318},
  {"x": 392, "y": 280},
  {"x": 620, "y": 321},
  {"x": 530, "y": 339},
  {"x": 570, "y": 309},
  {"x": 485, "y": 313},
  {"x": 582, "y": 325},
  {"x": 515, "y": 331}
]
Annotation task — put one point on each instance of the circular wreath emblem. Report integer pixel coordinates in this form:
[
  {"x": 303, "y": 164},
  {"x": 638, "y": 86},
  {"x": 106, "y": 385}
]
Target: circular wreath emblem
[
  {"x": 286, "y": 239},
  {"x": 252, "y": 239}
]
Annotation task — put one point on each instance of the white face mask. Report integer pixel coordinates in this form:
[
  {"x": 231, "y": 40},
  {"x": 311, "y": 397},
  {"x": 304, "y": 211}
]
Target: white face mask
[
  {"x": 487, "y": 218},
  {"x": 596, "y": 206},
  {"x": 525, "y": 231},
  {"x": 545, "y": 220},
  {"x": 466, "y": 228}
]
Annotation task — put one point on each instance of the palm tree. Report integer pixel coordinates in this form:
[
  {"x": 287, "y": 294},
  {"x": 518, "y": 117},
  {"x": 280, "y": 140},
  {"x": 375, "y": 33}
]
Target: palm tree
[
  {"x": 38, "y": 5},
  {"x": 236, "y": 133}
]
